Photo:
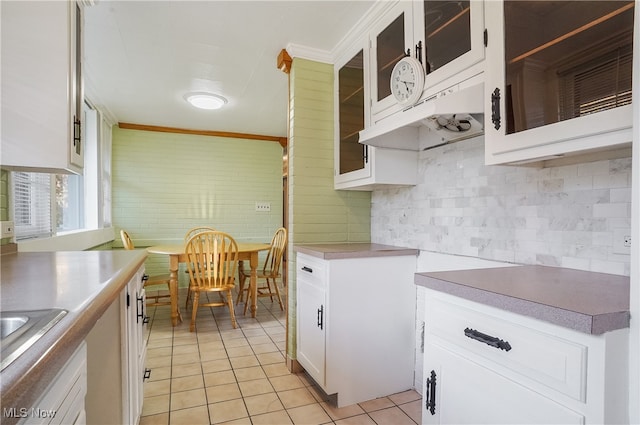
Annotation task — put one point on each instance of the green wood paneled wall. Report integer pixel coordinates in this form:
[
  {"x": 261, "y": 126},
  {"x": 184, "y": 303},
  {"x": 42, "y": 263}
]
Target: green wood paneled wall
[{"x": 317, "y": 212}]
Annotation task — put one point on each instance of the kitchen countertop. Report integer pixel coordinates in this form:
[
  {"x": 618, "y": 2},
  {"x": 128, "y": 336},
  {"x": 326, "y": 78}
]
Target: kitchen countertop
[
  {"x": 336, "y": 251},
  {"x": 588, "y": 302},
  {"x": 85, "y": 283}
]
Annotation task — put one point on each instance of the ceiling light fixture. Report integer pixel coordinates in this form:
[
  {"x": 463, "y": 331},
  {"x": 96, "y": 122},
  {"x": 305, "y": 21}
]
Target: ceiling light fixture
[{"x": 205, "y": 100}]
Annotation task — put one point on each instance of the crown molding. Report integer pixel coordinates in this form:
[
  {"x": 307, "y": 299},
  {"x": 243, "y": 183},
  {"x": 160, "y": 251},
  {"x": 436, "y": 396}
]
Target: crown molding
[
  {"x": 359, "y": 30},
  {"x": 362, "y": 27},
  {"x": 310, "y": 53}
]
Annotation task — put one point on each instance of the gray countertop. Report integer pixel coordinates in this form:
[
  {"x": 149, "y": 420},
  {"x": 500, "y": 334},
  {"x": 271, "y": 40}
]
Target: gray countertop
[
  {"x": 85, "y": 283},
  {"x": 335, "y": 251},
  {"x": 588, "y": 302}
]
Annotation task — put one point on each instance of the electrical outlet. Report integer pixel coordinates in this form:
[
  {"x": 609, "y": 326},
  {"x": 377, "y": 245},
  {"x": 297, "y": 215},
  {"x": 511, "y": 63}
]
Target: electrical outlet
[
  {"x": 7, "y": 229},
  {"x": 263, "y": 206},
  {"x": 621, "y": 241}
]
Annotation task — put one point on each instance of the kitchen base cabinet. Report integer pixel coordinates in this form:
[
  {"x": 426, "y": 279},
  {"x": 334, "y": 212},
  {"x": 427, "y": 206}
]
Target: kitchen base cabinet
[
  {"x": 486, "y": 365},
  {"x": 135, "y": 345},
  {"x": 355, "y": 324},
  {"x": 469, "y": 393},
  {"x": 63, "y": 402},
  {"x": 116, "y": 354}
]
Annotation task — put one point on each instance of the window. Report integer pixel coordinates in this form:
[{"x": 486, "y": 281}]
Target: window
[
  {"x": 598, "y": 85},
  {"x": 69, "y": 202},
  {"x": 566, "y": 59},
  {"x": 32, "y": 205},
  {"x": 46, "y": 205}
]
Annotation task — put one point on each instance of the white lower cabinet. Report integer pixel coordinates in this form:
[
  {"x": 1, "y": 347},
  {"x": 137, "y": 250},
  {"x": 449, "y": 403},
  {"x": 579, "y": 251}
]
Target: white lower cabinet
[
  {"x": 63, "y": 402},
  {"x": 355, "y": 324},
  {"x": 136, "y": 346},
  {"x": 116, "y": 349},
  {"x": 486, "y": 365}
]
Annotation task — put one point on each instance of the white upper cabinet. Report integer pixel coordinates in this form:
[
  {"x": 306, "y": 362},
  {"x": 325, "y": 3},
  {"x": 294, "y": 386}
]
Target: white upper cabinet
[
  {"x": 42, "y": 86},
  {"x": 452, "y": 39},
  {"x": 391, "y": 38},
  {"x": 448, "y": 39},
  {"x": 557, "y": 78},
  {"x": 358, "y": 166}
]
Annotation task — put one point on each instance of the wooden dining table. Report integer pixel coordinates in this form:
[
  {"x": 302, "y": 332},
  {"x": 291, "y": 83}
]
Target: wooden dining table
[{"x": 176, "y": 252}]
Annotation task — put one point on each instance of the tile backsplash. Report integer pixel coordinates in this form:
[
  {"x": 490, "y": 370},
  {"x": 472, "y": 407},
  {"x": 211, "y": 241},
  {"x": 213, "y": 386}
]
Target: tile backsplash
[{"x": 562, "y": 215}]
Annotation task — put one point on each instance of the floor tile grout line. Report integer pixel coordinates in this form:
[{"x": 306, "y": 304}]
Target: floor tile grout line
[{"x": 306, "y": 385}]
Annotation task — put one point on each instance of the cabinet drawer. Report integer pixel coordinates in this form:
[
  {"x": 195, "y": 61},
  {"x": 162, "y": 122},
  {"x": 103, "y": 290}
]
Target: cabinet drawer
[
  {"x": 312, "y": 270},
  {"x": 508, "y": 346}
]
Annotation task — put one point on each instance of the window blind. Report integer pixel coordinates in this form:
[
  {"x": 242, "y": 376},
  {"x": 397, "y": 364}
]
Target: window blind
[
  {"x": 597, "y": 85},
  {"x": 32, "y": 205}
]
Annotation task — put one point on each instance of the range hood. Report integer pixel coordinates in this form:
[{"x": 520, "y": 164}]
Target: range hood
[{"x": 453, "y": 115}]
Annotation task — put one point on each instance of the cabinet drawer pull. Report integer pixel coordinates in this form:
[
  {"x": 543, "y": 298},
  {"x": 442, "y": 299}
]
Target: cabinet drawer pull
[
  {"x": 487, "y": 339},
  {"x": 307, "y": 269},
  {"x": 430, "y": 402}
]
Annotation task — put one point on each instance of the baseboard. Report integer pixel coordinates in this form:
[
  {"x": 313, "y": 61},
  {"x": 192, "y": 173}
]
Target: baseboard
[{"x": 293, "y": 365}]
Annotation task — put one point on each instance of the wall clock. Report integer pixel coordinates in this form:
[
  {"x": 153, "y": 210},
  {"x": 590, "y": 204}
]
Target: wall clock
[{"x": 407, "y": 81}]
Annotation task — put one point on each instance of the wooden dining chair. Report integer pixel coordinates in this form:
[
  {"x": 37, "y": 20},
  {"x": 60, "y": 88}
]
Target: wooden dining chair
[
  {"x": 269, "y": 273},
  {"x": 195, "y": 230},
  {"x": 187, "y": 236},
  {"x": 162, "y": 280},
  {"x": 212, "y": 262}
]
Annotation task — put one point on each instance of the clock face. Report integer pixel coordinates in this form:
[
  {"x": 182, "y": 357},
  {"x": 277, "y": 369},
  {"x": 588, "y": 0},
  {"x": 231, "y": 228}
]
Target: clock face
[{"x": 407, "y": 81}]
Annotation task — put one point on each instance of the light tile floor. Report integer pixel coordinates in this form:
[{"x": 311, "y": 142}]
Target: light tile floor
[{"x": 221, "y": 375}]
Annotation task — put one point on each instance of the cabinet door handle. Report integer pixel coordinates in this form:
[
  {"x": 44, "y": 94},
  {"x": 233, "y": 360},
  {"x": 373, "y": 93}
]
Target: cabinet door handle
[
  {"x": 430, "y": 402},
  {"x": 495, "y": 108},
  {"x": 320, "y": 316},
  {"x": 487, "y": 339},
  {"x": 140, "y": 310},
  {"x": 307, "y": 269},
  {"x": 77, "y": 136}
]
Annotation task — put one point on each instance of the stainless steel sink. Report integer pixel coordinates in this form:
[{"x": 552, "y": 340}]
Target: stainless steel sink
[
  {"x": 20, "y": 329},
  {"x": 10, "y": 324}
]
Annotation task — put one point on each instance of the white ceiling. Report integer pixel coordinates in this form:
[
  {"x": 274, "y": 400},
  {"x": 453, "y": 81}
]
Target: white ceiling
[{"x": 142, "y": 57}]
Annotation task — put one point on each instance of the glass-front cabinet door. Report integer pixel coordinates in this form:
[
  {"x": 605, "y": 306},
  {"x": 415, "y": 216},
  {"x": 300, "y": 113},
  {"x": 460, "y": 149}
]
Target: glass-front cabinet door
[
  {"x": 560, "y": 82},
  {"x": 358, "y": 166},
  {"x": 451, "y": 37},
  {"x": 390, "y": 39},
  {"x": 352, "y": 157}
]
